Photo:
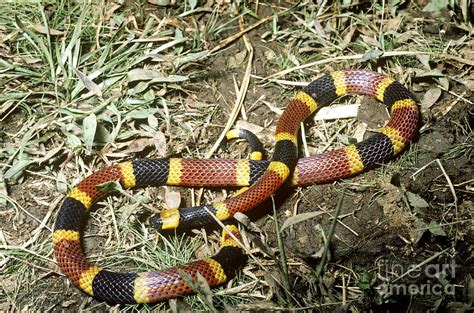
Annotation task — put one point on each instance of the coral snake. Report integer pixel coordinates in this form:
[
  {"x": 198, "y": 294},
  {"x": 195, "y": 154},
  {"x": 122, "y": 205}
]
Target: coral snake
[{"x": 263, "y": 177}]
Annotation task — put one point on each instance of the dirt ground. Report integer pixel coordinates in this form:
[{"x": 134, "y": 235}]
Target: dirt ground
[{"x": 403, "y": 236}]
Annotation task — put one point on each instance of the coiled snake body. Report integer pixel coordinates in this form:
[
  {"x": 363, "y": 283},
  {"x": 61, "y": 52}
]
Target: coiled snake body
[{"x": 263, "y": 177}]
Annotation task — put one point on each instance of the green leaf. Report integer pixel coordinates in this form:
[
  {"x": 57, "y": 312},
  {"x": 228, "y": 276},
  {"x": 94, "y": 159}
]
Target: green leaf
[
  {"x": 102, "y": 134},
  {"x": 152, "y": 121},
  {"x": 416, "y": 201},
  {"x": 394, "y": 6},
  {"x": 371, "y": 55},
  {"x": 431, "y": 73},
  {"x": 364, "y": 280},
  {"x": 299, "y": 218},
  {"x": 443, "y": 81},
  {"x": 347, "y": 140},
  {"x": 89, "y": 125},
  {"x": 50, "y": 154},
  {"x": 436, "y": 6},
  {"x": 435, "y": 229},
  {"x": 38, "y": 42},
  {"x": 109, "y": 186},
  {"x": 183, "y": 59},
  {"x": 17, "y": 168},
  {"x": 192, "y": 4},
  {"x": 149, "y": 95},
  {"x": 419, "y": 230},
  {"x": 3, "y": 192},
  {"x": 140, "y": 114},
  {"x": 74, "y": 142},
  {"x": 154, "y": 76}
]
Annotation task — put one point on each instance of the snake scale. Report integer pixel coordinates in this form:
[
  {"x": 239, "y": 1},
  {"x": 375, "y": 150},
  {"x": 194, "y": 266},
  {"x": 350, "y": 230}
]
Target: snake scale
[{"x": 263, "y": 177}]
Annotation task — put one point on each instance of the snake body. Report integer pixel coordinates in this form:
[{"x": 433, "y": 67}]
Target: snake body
[{"x": 263, "y": 177}]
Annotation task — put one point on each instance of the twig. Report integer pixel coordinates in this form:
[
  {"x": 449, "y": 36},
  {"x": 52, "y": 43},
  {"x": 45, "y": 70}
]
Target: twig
[
  {"x": 451, "y": 187},
  {"x": 450, "y": 184},
  {"x": 460, "y": 97},
  {"x": 224, "y": 43},
  {"x": 361, "y": 56},
  {"x": 419, "y": 265},
  {"x": 281, "y": 249}
]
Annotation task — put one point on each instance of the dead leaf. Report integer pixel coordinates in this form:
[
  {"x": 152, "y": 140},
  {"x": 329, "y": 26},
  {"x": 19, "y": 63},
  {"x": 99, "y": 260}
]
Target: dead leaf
[
  {"x": 111, "y": 10},
  {"x": 159, "y": 140},
  {"x": 370, "y": 41},
  {"x": 90, "y": 85},
  {"x": 393, "y": 24},
  {"x": 430, "y": 97},
  {"x": 138, "y": 145},
  {"x": 335, "y": 112},
  {"x": 466, "y": 53},
  {"x": 425, "y": 60},
  {"x": 68, "y": 303},
  {"x": 155, "y": 76},
  {"x": 319, "y": 29},
  {"x": 360, "y": 132},
  {"x": 162, "y": 3},
  {"x": 465, "y": 4},
  {"x": 266, "y": 135},
  {"x": 42, "y": 30},
  {"x": 258, "y": 306},
  {"x": 236, "y": 60},
  {"x": 142, "y": 74},
  {"x": 469, "y": 83},
  {"x": 406, "y": 36},
  {"x": 172, "y": 198},
  {"x": 347, "y": 38}
]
